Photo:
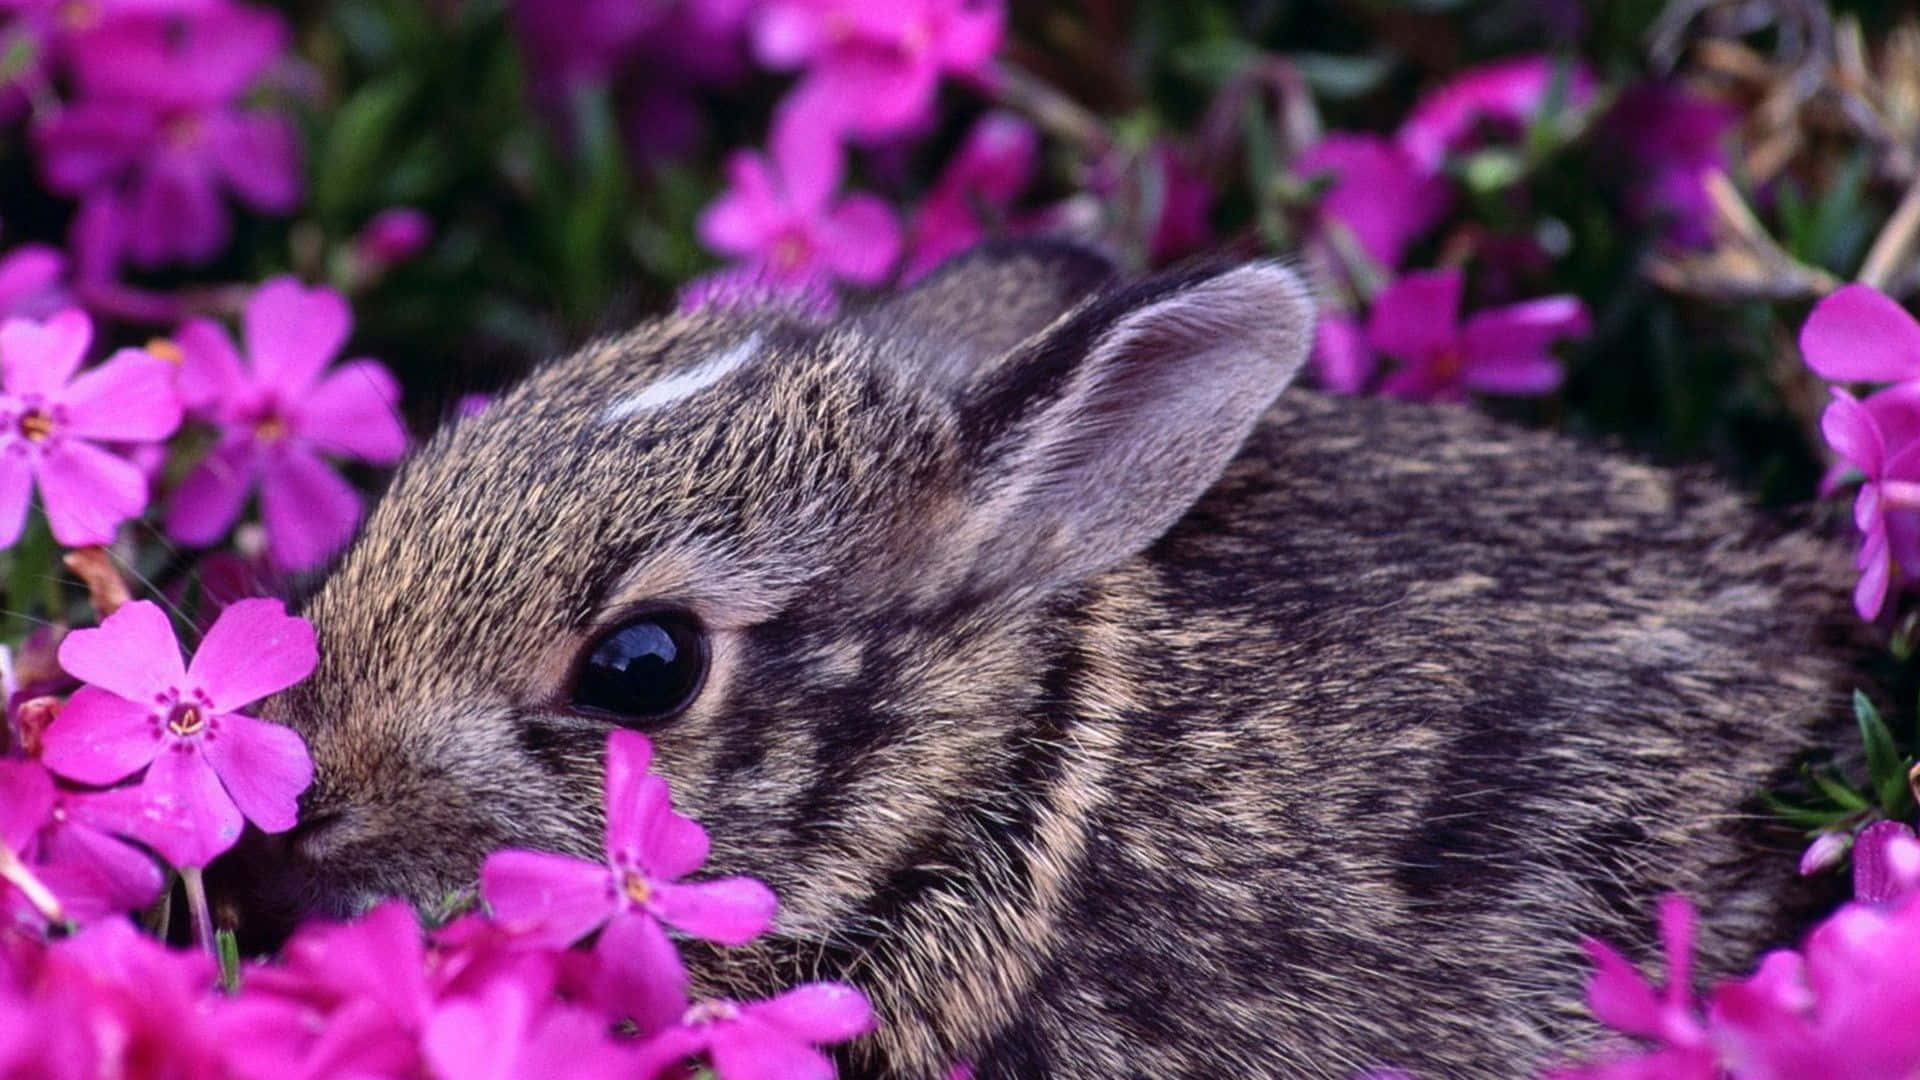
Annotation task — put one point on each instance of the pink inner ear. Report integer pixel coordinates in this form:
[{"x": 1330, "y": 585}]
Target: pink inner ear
[{"x": 1148, "y": 418}]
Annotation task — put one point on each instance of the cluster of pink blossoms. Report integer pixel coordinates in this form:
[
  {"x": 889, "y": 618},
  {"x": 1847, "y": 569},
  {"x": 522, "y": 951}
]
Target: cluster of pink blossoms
[{"x": 157, "y": 751}]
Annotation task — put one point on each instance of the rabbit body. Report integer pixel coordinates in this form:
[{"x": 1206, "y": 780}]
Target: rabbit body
[{"x": 1093, "y": 710}]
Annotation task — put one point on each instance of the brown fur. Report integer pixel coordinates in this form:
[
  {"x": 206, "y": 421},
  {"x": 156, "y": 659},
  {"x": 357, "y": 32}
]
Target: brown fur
[{"x": 1080, "y": 755}]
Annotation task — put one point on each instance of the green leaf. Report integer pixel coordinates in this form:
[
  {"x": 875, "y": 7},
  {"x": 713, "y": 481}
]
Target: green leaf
[
  {"x": 1335, "y": 75},
  {"x": 1886, "y": 769},
  {"x": 1836, "y": 789},
  {"x": 356, "y": 142},
  {"x": 228, "y": 948}
]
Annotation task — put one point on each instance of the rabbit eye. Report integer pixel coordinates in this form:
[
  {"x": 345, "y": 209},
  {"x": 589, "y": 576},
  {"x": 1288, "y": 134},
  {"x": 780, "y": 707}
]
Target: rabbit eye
[{"x": 648, "y": 668}]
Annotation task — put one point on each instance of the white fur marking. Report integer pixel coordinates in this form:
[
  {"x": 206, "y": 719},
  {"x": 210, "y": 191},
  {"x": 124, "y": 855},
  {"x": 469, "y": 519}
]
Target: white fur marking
[{"x": 686, "y": 384}]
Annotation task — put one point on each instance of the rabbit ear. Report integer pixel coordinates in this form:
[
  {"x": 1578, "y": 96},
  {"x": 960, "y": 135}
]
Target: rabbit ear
[
  {"x": 975, "y": 308},
  {"x": 1095, "y": 438}
]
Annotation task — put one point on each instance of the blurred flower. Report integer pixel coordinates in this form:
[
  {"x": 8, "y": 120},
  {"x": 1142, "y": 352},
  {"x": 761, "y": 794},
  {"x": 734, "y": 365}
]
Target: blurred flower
[
  {"x": 394, "y": 236},
  {"x": 92, "y": 873},
  {"x": 753, "y": 286},
  {"x": 571, "y": 43},
  {"x": 1184, "y": 203},
  {"x": 780, "y": 216},
  {"x": 208, "y": 764},
  {"x": 1825, "y": 852},
  {"x": 1377, "y": 193},
  {"x": 1622, "y": 999},
  {"x": 51, "y": 423},
  {"x": 1341, "y": 358},
  {"x": 754, "y": 1039},
  {"x": 278, "y": 413},
  {"x": 1416, "y": 321},
  {"x": 1503, "y": 99},
  {"x": 978, "y": 186},
  {"x": 33, "y": 282},
  {"x": 556, "y": 900},
  {"x": 1886, "y": 862},
  {"x": 1665, "y": 138},
  {"x": 873, "y": 65},
  {"x": 158, "y": 127}
]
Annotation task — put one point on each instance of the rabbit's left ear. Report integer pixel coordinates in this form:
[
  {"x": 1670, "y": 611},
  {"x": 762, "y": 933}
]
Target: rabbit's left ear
[{"x": 1091, "y": 440}]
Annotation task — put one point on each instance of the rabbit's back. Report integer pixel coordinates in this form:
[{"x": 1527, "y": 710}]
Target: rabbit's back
[{"x": 1409, "y": 702}]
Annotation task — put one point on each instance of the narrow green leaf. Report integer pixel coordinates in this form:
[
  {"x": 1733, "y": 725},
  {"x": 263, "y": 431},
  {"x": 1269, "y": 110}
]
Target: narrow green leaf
[
  {"x": 1886, "y": 769},
  {"x": 1836, "y": 789}
]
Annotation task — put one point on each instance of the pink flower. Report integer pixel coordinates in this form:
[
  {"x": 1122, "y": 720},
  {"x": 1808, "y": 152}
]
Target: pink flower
[
  {"x": 506, "y": 1031},
  {"x": 394, "y": 236},
  {"x": 1825, "y": 852},
  {"x": 1507, "y": 96},
  {"x": 763, "y": 1039},
  {"x": 1665, "y": 139},
  {"x": 91, "y": 873},
  {"x": 1499, "y": 351},
  {"x": 278, "y": 414},
  {"x": 1341, "y": 358},
  {"x": 1377, "y": 194},
  {"x": 52, "y": 425},
  {"x": 753, "y": 286},
  {"x": 1858, "y": 335},
  {"x": 556, "y": 900},
  {"x": 1886, "y": 862},
  {"x": 1877, "y": 436},
  {"x": 158, "y": 126},
  {"x": 873, "y": 65},
  {"x": 1184, "y": 203},
  {"x": 781, "y": 217},
  {"x": 1623, "y": 1000},
  {"x": 571, "y": 43},
  {"x": 208, "y": 764},
  {"x": 32, "y": 282},
  {"x": 984, "y": 177}
]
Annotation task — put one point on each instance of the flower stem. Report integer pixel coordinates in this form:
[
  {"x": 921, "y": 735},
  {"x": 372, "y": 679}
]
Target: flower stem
[
  {"x": 15, "y": 871},
  {"x": 197, "y": 904}
]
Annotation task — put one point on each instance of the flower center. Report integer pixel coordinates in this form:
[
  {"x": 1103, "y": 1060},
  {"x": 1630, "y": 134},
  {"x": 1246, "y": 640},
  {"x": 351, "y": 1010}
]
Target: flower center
[
  {"x": 181, "y": 131},
  {"x": 79, "y": 15},
  {"x": 271, "y": 428},
  {"x": 35, "y": 425},
  {"x": 636, "y": 887},
  {"x": 706, "y": 1012},
  {"x": 790, "y": 253},
  {"x": 186, "y": 720},
  {"x": 1448, "y": 364},
  {"x": 165, "y": 349}
]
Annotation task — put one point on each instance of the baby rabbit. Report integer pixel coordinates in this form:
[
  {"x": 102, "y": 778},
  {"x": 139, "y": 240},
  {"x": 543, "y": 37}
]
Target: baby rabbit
[{"x": 1096, "y": 703}]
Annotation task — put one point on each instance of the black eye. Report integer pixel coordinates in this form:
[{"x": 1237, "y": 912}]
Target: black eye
[{"x": 646, "y": 669}]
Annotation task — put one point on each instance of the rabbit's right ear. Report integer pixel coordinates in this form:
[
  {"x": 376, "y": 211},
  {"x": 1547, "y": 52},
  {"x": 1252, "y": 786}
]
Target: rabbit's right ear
[{"x": 1092, "y": 440}]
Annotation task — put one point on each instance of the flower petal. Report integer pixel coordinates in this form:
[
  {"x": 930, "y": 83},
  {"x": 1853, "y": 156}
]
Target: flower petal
[
  {"x": 95, "y": 875},
  {"x": 1852, "y": 432},
  {"x": 1515, "y": 339},
  {"x": 293, "y": 332},
  {"x": 263, "y": 765},
  {"x": 210, "y": 369},
  {"x": 731, "y": 911},
  {"x": 746, "y": 1050},
  {"x": 29, "y": 799},
  {"x": 253, "y": 649},
  {"x": 204, "y": 506},
  {"x": 88, "y": 492},
  {"x": 641, "y": 975},
  {"x": 39, "y": 357},
  {"x": 1859, "y": 335},
  {"x": 175, "y": 212},
  {"x": 1619, "y": 997},
  {"x": 132, "y": 653},
  {"x": 550, "y": 899},
  {"x": 99, "y": 737},
  {"x": 860, "y": 240},
  {"x": 16, "y": 491},
  {"x": 1876, "y": 574},
  {"x": 355, "y": 412},
  {"x": 822, "y": 1012},
  {"x": 1417, "y": 315},
  {"x": 188, "y": 816},
  {"x": 747, "y": 213},
  {"x": 628, "y": 755},
  {"x": 130, "y": 398},
  {"x": 259, "y": 154},
  {"x": 310, "y": 512}
]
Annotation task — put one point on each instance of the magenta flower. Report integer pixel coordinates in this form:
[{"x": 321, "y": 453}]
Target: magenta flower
[
  {"x": 33, "y": 282},
  {"x": 760, "y": 1040},
  {"x": 278, "y": 414},
  {"x": 1341, "y": 358},
  {"x": 394, "y": 236},
  {"x": 1416, "y": 321},
  {"x": 873, "y": 65},
  {"x": 1506, "y": 97},
  {"x": 556, "y": 900},
  {"x": 1377, "y": 193},
  {"x": 572, "y": 43},
  {"x": 781, "y": 217},
  {"x": 1665, "y": 139},
  {"x": 52, "y": 424},
  {"x": 1623, "y": 1000},
  {"x": 92, "y": 873},
  {"x": 507, "y": 1032},
  {"x": 208, "y": 764},
  {"x": 985, "y": 175},
  {"x": 158, "y": 126},
  {"x": 1858, "y": 335},
  {"x": 1886, "y": 862}
]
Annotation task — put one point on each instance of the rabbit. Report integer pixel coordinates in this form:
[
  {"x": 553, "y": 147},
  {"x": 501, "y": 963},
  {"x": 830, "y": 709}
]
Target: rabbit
[{"x": 1094, "y": 700}]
